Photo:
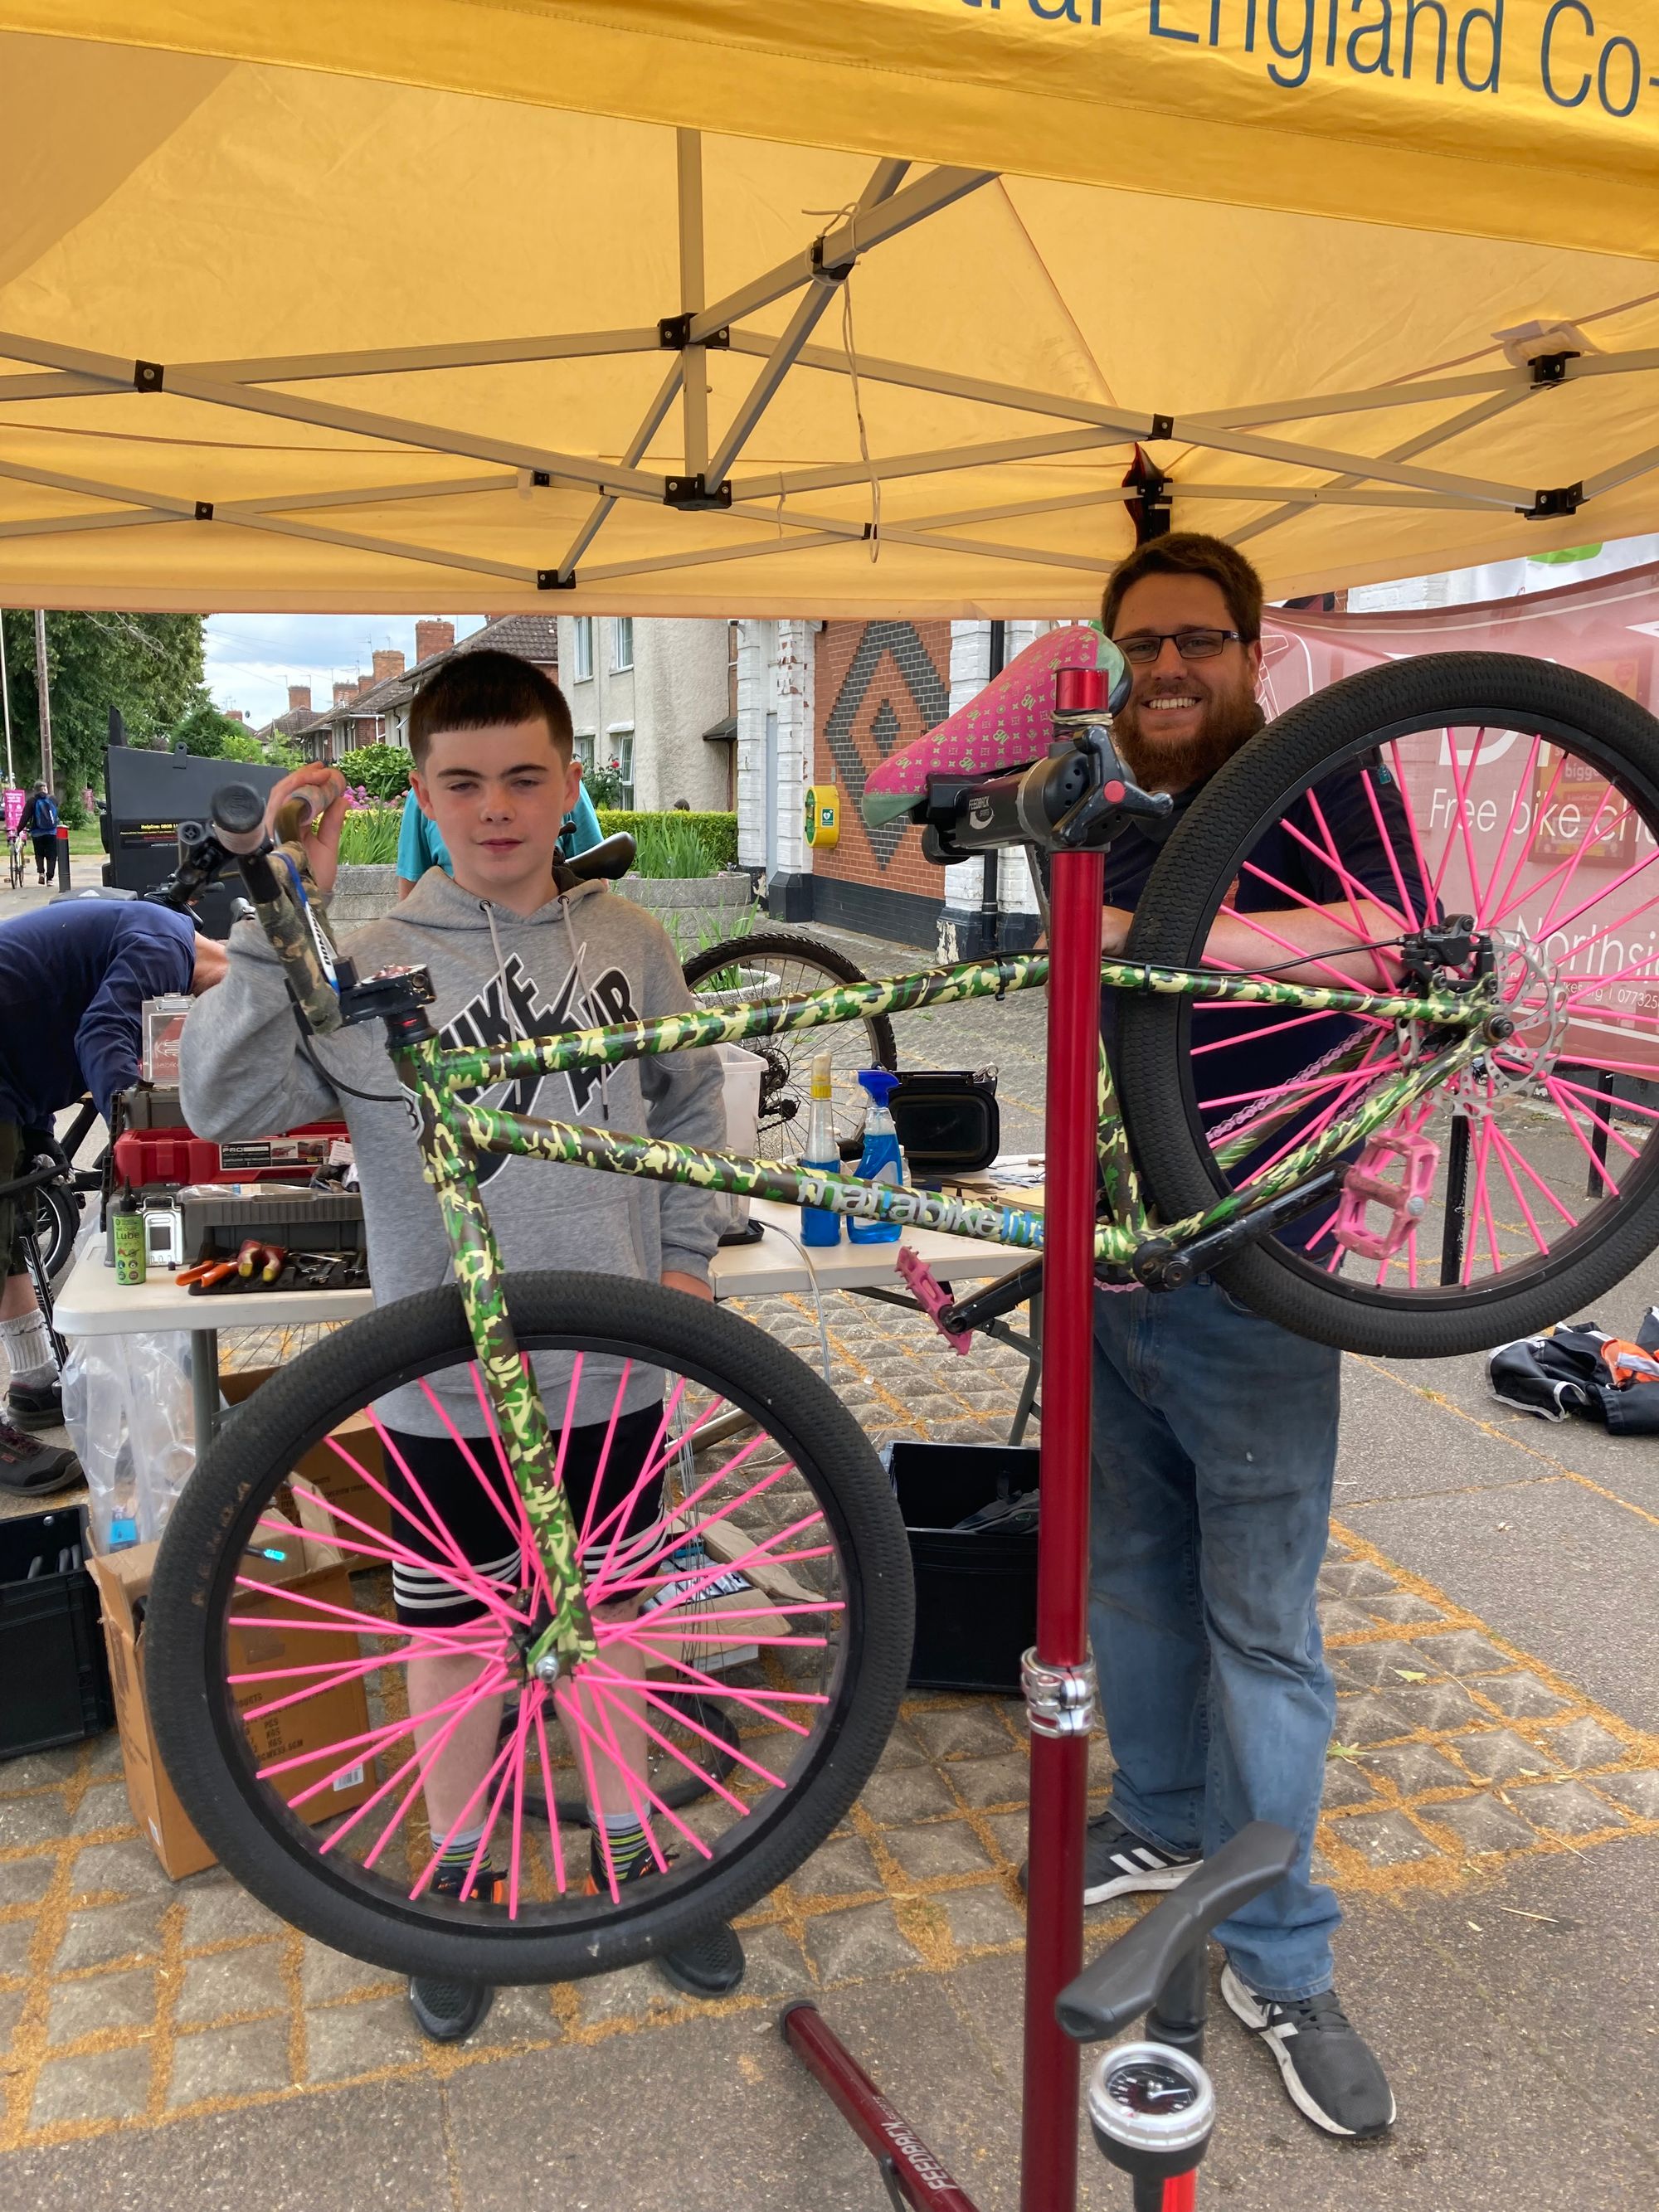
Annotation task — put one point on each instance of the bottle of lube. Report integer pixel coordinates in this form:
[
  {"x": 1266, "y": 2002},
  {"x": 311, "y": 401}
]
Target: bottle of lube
[
  {"x": 129, "y": 1240},
  {"x": 881, "y": 1160},
  {"x": 818, "y": 1225}
]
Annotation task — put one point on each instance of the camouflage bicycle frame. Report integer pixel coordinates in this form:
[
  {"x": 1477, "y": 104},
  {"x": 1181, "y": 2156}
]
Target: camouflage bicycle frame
[{"x": 455, "y": 1130}]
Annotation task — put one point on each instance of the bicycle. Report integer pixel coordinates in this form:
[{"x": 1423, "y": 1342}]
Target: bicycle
[
  {"x": 1475, "y": 1018},
  {"x": 16, "y": 858},
  {"x": 774, "y": 964}
]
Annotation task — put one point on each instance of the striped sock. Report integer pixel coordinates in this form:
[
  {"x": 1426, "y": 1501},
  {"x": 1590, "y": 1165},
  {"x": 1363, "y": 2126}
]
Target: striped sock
[
  {"x": 459, "y": 1850},
  {"x": 629, "y": 1843}
]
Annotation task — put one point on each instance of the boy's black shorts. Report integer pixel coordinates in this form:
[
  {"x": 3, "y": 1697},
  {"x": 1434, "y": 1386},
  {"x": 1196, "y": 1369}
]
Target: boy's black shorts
[{"x": 428, "y": 1597}]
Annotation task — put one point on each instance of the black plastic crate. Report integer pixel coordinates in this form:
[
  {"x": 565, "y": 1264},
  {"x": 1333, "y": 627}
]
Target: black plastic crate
[
  {"x": 975, "y": 1591},
  {"x": 54, "y": 1673}
]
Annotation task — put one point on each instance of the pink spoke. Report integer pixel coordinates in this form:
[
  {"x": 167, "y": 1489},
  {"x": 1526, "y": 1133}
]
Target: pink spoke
[
  {"x": 1606, "y": 891},
  {"x": 1406, "y": 907},
  {"x": 1254, "y": 1036},
  {"x": 1484, "y": 892},
  {"x": 568, "y": 1712},
  {"x": 654, "y": 1466},
  {"x": 665, "y": 1545},
  {"x": 1417, "y": 854},
  {"x": 1604, "y": 982},
  {"x": 461, "y": 1818},
  {"x": 421, "y": 1759},
  {"x": 1254, "y": 922},
  {"x": 1576, "y": 860},
  {"x": 754, "y": 1702},
  {"x": 604, "y": 1454},
  {"x": 367, "y": 1623},
  {"x": 1301, "y": 899},
  {"x": 692, "y": 1767},
  {"x": 371, "y": 1741},
  {"x": 1477, "y": 1156},
  {"x": 1351, "y": 885},
  {"x": 1508, "y": 1151},
  {"x": 1483, "y": 1187},
  {"x": 1565, "y": 1108},
  {"x": 547, "y": 1791},
  {"x": 516, "y": 1859},
  {"x": 529, "y": 1548},
  {"x": 650, "y": 1465},
  {"x": 1281, "y": 1093},
  {"x": 663, "y": 1807},
  {"x": 685, "y": 1721},
  {"x": 1628, "y": 1105},
  {"x": 690, "y": 1634},
  {"x": 336, "y": 1679},
  {"x": 1526, "y": 1213},
  {"x": 1624, "y": 1144},
  {"x": 511, "y": 1776},
  {"x": 1495, "y": 914},
  {"x": 437, "y": 1529},
  {"x": 513, "y": 1517},
  {"x": 387, "y": 1551},
  {"x": 716, "y": 1568},
  {"x": 1357, "y": 1081},
  {"x": 605, "y": 1734}
]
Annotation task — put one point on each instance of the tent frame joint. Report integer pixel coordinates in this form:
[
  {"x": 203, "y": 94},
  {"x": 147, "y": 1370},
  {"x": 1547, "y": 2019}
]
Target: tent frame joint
[
  {"x": 831, "y": 272},
  {"x": 204, "y": 510},
  {"x": 148, "y": 376},
  {"x": 1551, "y": 505},
  {"x": 550, "y": 579},
  {"x": 1550, "y": 367},
  {"x": 695, "y": 494},
  {"x": 674, "y": 334},
  {"x": 1163, "y": 427}
]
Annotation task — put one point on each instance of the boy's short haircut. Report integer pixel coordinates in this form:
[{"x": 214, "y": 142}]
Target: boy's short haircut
[
  {"x": 474, "y": 690},
  {"x": 1191, "y": 553}
]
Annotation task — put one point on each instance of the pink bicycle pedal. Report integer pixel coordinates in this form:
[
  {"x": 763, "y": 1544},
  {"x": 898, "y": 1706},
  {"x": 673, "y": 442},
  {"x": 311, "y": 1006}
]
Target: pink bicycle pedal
[
  {"x": 932, "y": 1297},
  {"x": 1405, "y": 1201}
]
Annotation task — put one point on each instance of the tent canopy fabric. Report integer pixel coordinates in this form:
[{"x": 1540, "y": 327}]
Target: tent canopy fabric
[{"x": 774, "y": 306}]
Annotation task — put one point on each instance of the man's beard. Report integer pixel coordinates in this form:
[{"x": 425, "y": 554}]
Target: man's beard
[{"x": 1229, "y": 719}]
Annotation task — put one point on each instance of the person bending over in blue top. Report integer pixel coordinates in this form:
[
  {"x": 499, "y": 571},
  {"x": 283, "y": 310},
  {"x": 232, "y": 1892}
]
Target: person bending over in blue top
[
  {"x": 421, "y": 848},
  {"x": 74, "y": 977}
]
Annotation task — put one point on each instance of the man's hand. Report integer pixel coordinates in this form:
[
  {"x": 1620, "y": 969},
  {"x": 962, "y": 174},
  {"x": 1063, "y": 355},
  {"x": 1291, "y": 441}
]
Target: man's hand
[
  {"x": 693, "y": 1285},
  {"x": 1115, "y": 932},
  {"x": 326, "y": 789}
]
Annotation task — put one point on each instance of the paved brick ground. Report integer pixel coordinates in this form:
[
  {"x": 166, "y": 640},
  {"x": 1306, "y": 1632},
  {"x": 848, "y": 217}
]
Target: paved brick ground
[{"x": 1490, "y": 1821}]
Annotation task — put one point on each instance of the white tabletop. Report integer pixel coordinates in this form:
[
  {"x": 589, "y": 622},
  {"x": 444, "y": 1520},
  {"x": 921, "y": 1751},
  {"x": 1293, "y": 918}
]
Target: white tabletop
[{"x": 93, "y": 1303}]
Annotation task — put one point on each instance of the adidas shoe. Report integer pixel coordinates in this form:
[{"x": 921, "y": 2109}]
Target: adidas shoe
[
  {"x": 1330, "y": 2072},
  {"x": 1117, "y": 1863}
]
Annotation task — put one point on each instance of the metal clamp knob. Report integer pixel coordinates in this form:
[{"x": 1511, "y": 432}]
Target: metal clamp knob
[{"x": 1059, "y": 1700}]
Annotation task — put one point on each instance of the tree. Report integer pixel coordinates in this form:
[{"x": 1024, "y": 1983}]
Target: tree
[
  {"x": 149, "y": 666},
  {"x": 381, "y": 770},
  {"x": 206, "y": 731}
]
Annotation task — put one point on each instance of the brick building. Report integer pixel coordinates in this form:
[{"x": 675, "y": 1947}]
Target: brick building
[{"x": 823, "y": 703}]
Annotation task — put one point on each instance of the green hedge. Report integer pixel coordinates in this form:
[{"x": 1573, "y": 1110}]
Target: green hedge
[{"x": 719, "y": 832}]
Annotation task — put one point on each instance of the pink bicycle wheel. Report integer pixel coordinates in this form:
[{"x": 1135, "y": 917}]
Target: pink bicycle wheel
[
  {"x": 1452, "y": 817},
  {"x": 339, "y": 1660}
]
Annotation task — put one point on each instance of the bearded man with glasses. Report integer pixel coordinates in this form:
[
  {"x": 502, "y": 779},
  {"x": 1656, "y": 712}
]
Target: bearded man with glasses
[{"x": 1215, "y": 1429}]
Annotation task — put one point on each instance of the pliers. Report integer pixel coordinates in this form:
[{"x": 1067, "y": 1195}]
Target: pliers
[{"x": 208, "y": 1274}]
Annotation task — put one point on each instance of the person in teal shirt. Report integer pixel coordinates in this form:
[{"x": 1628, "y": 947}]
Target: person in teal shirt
[{"x": 421, "y": 848}]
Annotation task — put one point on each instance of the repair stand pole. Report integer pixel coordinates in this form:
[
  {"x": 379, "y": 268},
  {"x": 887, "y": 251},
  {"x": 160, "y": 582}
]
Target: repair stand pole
[{"x": 1060, "y": 1763}]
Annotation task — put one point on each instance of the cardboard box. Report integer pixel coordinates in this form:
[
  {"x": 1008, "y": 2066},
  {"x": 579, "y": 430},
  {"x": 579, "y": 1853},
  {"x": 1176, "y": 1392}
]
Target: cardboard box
[
  {"x": 333, "y": 1716},
  {"x": 323, "y": 1469}
]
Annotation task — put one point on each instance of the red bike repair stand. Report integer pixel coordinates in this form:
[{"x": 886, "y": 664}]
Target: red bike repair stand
[{"x": 1060, "y": 1688}]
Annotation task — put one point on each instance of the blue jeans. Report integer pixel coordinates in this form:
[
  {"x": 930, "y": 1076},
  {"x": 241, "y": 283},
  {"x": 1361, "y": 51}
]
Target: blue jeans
[{"x": 1214, "y": 1442}]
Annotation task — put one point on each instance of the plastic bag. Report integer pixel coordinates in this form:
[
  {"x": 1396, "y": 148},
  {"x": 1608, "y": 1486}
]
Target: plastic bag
[{"x": 127, "y": 1408}]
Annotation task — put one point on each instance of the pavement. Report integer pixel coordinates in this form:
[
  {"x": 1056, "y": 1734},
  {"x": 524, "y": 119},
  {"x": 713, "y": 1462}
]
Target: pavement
[{"x": 1491, "y": 1824}]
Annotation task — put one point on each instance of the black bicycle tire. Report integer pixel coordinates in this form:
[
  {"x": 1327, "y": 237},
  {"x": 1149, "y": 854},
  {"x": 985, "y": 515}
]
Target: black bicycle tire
[
  {"x": 735, "y": 950},
  {"x": 62, "y": 1204},
  {"x": 204, "y": 1752},
  {"x": 1172, "y": 917}
]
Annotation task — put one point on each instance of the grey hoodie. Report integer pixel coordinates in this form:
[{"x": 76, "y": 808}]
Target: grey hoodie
[{"x": 587, "y": 958}]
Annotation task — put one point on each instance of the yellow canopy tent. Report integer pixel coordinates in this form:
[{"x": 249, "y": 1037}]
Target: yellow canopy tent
[{"x": 709, "y": 307}]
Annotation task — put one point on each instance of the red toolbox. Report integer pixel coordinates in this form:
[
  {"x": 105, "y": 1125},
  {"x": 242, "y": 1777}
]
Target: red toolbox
[{"x": 147, "y": 1156}]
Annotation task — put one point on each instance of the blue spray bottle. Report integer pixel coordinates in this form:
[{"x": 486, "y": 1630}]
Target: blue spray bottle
[{"x": 881, "y": 1160}]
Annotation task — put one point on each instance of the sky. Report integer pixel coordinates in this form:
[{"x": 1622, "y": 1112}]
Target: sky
[{"x": 253, "y": 659}]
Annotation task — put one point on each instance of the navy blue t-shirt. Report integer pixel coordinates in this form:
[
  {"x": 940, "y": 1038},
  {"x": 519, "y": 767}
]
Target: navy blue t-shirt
[
  {"x": 73, "y": 977},
  {"x": 1259, "y": 1051}
]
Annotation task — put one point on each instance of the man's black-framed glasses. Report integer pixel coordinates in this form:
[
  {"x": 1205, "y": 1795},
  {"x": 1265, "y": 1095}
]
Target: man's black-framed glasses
[{"x": 1142, "y": 646}]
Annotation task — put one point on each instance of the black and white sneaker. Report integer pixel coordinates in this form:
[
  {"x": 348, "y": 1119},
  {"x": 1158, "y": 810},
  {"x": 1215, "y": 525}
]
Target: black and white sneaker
[
  {"x": 1330, "y": 2071},
  {"x": 1117, "y": 1863}
]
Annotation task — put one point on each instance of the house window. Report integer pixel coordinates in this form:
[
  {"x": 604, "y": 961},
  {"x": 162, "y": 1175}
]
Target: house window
[
  {"x": 622, "y": 641},
  {"x": 731, "y": 667},
  {"x": 584, "y": 742},
  {"x": 582, "y": 650},
  {"x": 621, "y": 758}
]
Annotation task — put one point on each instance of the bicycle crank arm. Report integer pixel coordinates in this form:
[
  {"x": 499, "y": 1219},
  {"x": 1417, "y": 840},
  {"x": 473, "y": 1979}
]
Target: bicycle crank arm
[{"x": 1163, "y": 1266}]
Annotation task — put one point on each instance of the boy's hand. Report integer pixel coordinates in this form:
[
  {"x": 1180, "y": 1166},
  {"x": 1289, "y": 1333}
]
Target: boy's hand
[
  {"x": 693, "y": 1285},
  {"x": 326, "y": 788}
]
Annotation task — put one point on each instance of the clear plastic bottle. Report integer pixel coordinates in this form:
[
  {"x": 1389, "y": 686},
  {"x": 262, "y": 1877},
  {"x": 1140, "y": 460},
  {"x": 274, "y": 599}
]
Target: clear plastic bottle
[
  {"x": 818, "y": 1225},
  {"x": 881, "y": 1160}
]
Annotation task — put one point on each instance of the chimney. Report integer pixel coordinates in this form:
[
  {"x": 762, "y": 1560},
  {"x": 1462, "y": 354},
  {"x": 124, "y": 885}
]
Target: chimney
[
  {"x": 299, "y": 698},
  {"x": 235, "y": 715},
  {"x": 344, "y": 694},
  {"x": 387, "y": 666},
  {"x": 433, "y": 634}
]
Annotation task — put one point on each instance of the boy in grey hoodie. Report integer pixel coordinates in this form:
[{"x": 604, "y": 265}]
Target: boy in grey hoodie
[{"x": 515, "y": 947}]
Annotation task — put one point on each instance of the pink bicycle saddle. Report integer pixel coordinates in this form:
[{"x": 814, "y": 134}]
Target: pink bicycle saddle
[{"x": 1007, "y": 724}]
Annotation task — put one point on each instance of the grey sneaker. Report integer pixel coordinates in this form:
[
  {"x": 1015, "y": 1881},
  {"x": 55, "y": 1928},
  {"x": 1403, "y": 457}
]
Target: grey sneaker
[
  {"x": 1117, "y": 1863},
  {"x": 1330, "y": 2072}
]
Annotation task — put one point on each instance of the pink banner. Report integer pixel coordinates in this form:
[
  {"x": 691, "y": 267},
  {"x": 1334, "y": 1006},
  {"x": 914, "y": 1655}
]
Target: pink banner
[
  {"x": 15, "y": 801},
  {"x": 1531, "y": 842}
]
